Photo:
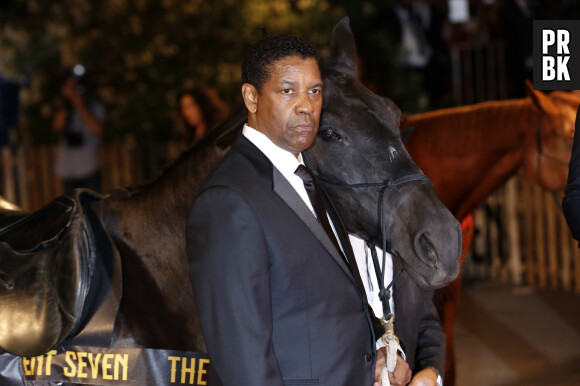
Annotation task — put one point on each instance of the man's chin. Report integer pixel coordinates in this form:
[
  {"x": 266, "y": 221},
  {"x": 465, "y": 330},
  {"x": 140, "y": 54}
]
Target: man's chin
[{"x": 304, "y": 142}]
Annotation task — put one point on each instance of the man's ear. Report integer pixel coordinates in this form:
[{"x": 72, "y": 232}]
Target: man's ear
[{"x": 250, "y": 95}]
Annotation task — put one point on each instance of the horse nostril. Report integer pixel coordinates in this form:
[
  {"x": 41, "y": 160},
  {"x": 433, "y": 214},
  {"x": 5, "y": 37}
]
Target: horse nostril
[
  {"x": 6, "y": 281},
  {"x": 425, "y": 250}
]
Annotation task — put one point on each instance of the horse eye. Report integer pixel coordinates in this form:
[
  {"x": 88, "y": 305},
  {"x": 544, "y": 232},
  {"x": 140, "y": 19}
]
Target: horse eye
[{"x": 329, "y": 135}]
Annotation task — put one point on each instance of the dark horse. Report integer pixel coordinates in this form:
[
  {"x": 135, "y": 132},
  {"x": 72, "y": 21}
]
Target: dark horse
[{"x": 133, "y": 241}]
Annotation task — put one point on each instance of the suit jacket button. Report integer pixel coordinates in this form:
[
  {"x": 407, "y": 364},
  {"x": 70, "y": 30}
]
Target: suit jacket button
[{"x": 368, "y": 357}]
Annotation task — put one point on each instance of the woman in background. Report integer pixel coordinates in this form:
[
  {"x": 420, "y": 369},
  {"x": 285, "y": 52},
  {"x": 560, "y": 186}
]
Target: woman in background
[{"x": 199, "y": 110}]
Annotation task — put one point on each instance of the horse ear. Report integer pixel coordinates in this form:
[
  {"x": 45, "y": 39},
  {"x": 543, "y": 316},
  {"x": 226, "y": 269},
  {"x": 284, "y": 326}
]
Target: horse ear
[
  {"x": 541, "y": 100},
  {"x": 343, "y": 46}
]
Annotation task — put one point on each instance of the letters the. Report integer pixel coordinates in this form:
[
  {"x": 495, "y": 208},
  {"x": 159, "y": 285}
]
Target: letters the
[{"x": 188, "y": 370}]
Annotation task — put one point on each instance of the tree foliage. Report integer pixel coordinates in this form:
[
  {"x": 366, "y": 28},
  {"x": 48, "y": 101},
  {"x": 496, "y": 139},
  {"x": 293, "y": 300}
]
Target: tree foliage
[{"x": 138, "y": 54}]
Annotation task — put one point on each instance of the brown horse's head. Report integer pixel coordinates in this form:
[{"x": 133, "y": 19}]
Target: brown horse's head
[
  {"x": 365, "y": 168},
  {"x": 549, "y": 147}
]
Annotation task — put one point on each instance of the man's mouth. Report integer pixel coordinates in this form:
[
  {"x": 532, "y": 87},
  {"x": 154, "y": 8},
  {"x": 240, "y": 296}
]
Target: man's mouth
[{"x": 304, "y": 126}]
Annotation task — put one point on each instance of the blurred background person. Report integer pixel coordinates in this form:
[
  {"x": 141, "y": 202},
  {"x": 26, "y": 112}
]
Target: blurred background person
[
  {"x": 199, "y": 110},
  {"x": 416, "y": 27},
  {"x": 80, "y": 122},
  {"x": 517, "y": 18}
]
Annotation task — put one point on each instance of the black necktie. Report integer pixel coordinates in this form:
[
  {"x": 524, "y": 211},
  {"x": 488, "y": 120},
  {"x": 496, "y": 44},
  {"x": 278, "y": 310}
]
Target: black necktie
[{"x": 317, "y": 203}]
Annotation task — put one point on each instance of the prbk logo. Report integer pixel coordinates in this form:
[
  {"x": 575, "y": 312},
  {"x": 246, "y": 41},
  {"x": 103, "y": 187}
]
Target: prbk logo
[{"x": 557, "y": 54}]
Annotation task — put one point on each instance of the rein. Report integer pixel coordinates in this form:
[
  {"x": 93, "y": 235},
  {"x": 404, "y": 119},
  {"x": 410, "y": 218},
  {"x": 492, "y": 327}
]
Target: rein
[{"x": 384, "y": 293}]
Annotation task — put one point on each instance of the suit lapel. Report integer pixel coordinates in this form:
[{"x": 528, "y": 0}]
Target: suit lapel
[
  {"x": 344, "y": 241},
  {"x": 398, "y": 290},
  {"x": 287, "y": 193}
]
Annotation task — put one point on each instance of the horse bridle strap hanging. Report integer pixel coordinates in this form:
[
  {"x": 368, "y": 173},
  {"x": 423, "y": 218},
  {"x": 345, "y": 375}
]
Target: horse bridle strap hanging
[{"x": 384, "y": 293}]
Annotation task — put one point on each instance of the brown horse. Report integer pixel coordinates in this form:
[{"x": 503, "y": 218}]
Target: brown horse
[{"x": 470, "y": 151}]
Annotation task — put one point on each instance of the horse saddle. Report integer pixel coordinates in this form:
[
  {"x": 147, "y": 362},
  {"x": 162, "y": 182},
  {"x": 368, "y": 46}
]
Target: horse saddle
[
  {"x": 27, "y": 232},
  {"x": 47, "y": 262}
]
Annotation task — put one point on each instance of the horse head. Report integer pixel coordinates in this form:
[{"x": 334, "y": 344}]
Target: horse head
[
  {"x": 549, "y": 146},
  {"x": 363, "y": 165}
]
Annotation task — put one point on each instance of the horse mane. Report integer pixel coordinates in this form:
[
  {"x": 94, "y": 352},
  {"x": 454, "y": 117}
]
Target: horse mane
[
  {"x": 491, "y": 126},
  {"x": 572, "y": 98},
  {"x": 218, "y": 141}
]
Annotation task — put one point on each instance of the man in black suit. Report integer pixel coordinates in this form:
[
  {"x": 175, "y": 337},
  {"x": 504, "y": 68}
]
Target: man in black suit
[
  {"x": 279, "y": 295},
  {"x": 571, "y": 200}
]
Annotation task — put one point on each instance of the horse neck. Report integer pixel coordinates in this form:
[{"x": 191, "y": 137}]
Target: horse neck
[
  {"x": 173, "y": 192},
  {"x": 162, "y": 207},
  {"x": 160, "y": 210},
  {"x": 497, "y": 126},
  {"x": 487, "y": 152}
]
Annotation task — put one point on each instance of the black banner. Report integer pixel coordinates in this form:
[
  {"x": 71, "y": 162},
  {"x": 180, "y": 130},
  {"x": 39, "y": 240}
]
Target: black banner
[{"x": 107, "y": 366}]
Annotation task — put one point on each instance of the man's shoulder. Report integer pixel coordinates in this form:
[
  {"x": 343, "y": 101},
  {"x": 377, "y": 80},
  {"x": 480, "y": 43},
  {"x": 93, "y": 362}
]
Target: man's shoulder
[{"x": 239, "y": 166}]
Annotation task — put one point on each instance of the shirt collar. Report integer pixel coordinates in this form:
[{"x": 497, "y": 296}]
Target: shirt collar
[{"x": 282, "y": 159}]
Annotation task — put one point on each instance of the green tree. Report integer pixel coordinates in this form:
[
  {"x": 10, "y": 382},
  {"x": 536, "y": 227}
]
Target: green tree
[{"x": 138, "y": 54}]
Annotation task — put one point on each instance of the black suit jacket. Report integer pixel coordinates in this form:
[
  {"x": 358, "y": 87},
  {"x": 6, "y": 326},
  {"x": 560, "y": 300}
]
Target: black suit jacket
[
  {"x": 417, "y": 324},
  {"x": 277, "y": 302},
  {"x": 571, "y": 201}
]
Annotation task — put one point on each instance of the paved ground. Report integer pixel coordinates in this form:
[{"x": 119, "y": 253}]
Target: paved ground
[{"x": 509, "y": 335}]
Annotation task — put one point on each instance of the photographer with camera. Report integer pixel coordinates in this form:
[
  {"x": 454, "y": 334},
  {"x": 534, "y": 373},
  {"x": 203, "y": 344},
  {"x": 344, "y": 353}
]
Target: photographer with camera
[{"x": 80, "y": 122}]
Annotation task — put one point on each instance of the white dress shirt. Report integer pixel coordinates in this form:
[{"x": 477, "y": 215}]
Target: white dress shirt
[
  {"x": 287, "y": 164},
  {"x": 283, "y": 160}
]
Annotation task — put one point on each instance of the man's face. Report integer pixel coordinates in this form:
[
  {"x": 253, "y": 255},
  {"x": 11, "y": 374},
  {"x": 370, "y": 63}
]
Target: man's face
[{"x": 288, "y": 109}]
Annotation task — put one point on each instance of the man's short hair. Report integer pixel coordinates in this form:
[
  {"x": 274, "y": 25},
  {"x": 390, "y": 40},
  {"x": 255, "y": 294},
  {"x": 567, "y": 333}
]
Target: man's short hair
[{"x": 257, "y": 65}]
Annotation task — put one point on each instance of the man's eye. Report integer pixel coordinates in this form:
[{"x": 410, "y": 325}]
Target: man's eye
[
  {"x": 315, "y": 91},
  {"x": 287, "y": 91}
]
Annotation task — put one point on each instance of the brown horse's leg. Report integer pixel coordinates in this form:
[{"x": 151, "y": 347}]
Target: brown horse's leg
[
  {"x": 448, "y": 302},
  {"x": 448, "y": 310}
]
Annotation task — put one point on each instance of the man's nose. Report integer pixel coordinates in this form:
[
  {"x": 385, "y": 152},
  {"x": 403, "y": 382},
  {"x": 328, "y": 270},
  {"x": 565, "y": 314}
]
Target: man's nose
[{"x": 304, "y": 104}]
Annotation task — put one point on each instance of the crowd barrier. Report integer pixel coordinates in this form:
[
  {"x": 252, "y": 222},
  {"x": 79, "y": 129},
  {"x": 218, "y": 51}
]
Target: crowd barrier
[{"x": 522, "y": 238}]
